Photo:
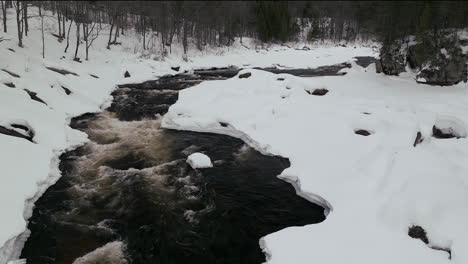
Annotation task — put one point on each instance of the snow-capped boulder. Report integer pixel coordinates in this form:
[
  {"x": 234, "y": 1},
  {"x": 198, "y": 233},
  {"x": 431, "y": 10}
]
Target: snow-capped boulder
[{"x": 199, "y": 161}]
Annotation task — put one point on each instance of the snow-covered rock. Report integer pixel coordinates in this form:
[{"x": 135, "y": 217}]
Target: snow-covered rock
[{"x": 199, "y": 161}]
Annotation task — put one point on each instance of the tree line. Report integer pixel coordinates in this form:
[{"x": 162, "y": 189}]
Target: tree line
[{"x": 196, "y": 24}]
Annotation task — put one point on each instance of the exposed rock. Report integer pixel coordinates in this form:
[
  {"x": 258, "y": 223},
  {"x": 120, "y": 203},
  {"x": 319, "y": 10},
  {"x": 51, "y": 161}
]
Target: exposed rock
[
  {"x": 11, "y": 73},
  {"x": 126, "y": 74},
  {"x": 418, "y": 140},
  {"x": 418, "y": 232},
  {"x": 280, "y": 79},
  {"x": 245, "y": 75},
  {"x": 61, "y": 71},
  {"x": 34, "y": 96},
  {"x": 223, "y": 124},
  {"x": 175, "y": 68},
  {"x": 391, "y": 61},
  {"x": 362, "y": 132},
  {"x": 29, "y": 134},
  {"x": 318, "y": 92},
  {"x": 12, "y": 50},
  {"x": 447, "y": 69},
  {"x": 67, "y": 91},
  {"x": 94, "y": 76},
  {"x": 10, "y": 84}
]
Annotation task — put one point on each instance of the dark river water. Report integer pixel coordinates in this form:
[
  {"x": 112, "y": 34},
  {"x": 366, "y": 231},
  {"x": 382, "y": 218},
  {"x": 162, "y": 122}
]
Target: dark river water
[{"x": 129, "y": 196}]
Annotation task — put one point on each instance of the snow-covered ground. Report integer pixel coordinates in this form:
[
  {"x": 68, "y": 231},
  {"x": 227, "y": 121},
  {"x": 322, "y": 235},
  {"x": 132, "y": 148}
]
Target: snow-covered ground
[{"x": 376, "y": 186}]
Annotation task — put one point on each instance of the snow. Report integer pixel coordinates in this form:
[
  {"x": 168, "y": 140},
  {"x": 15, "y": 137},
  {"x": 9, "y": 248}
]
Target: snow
[
  {"x": 199, "y": 161},
  {"x": 445, "y": 53},
  {"x": 375, "y": 187}
]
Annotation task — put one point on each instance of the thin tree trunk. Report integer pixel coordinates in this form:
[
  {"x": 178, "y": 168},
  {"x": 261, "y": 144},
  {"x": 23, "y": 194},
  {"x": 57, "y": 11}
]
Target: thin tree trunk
[
  {"x": 4, "y": 16},
  {"x": 42, "y": 30},
  {"x": 68, "y": 36},
  {"x": 110, "y": 36},
  {"x": 18, "y": 23},
  {"x": 25, "y": 13},
  {"x": 77, "y": 41},
  {"x": 59, "y": 18}
]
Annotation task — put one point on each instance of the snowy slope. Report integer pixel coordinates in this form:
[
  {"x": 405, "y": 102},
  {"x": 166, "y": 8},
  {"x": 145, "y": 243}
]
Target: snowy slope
[
  {"x": 376, "y": 186},
  {"x": 30, "y": 167}
]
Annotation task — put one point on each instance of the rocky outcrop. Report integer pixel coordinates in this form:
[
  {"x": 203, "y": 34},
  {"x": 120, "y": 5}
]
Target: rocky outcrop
[
  {"x": 440, "y": 60},
  {"x": 392, "y": 61},
  {"x": 448, "y": 67}
]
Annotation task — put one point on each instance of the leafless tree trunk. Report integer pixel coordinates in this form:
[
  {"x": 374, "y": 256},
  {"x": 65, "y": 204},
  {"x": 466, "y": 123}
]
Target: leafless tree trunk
[
  {"x": 77, "y": 41},
  {"x": 25, "y": 17},
  {"x": 18, "y": 23},
  {"x": 110, "y": 35},
  {"x": 42, "y": 29},
  {"x": 68, "y": 36},
  {"x": 4, "y": 15}
]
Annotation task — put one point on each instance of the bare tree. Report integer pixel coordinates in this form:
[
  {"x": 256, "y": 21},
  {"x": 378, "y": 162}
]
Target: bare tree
[
  {"x": 4, "y": 8},
  {"x": 90, "y": 34},
  {"x": 42, "y": 29},
  {"x": 19, "y": 19},
  {"x": 68, "y": 36}
]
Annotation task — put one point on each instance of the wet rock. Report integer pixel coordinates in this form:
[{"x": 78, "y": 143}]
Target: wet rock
[
  {"x": 245, "y": 75},
  {"x": 126, "y": 74},
  {"x": 418, "y": 232},
  {"x": 61, "y": 71},
  {"x": 362, "y": 132},
  {"x": 418, "y": 140}
]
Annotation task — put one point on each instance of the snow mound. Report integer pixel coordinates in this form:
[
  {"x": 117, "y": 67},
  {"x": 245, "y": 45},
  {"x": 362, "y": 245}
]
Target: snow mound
[{"x": 199, "y": 161}]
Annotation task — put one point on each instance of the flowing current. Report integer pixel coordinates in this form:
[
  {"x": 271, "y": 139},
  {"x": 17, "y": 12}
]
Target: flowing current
[{"x": 128, "y": 196}]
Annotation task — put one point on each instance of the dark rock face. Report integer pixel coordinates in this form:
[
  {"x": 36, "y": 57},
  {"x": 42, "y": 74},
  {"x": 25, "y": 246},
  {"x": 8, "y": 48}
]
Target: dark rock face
[
  {"x": 126, "y": 74},
  {"x": 175, "y": 68},
  {"x": 418, "y": 140},
  {"x": 439, "y": 59},
  {"x": 318, "y": 92},
  {"x": 391, "y": 61},
  {"x": 362, "y": 132},
  {"x": 446, "y": 70},
  {"x": 418, "y": 232}
]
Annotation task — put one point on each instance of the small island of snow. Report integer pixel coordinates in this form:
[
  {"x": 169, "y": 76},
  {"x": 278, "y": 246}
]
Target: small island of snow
[{"x": 199, "y": 161}]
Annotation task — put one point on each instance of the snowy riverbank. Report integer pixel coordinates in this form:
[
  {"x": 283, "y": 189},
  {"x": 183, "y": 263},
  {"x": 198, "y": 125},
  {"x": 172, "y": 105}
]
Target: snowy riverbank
[{"x": 377, "y": 186}]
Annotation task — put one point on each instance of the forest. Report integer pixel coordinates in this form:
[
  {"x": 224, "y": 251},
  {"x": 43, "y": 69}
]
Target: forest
[{"x": 196, "y": 24}]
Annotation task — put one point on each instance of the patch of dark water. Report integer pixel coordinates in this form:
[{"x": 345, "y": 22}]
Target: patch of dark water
[{"x": 131, "y": 184}]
